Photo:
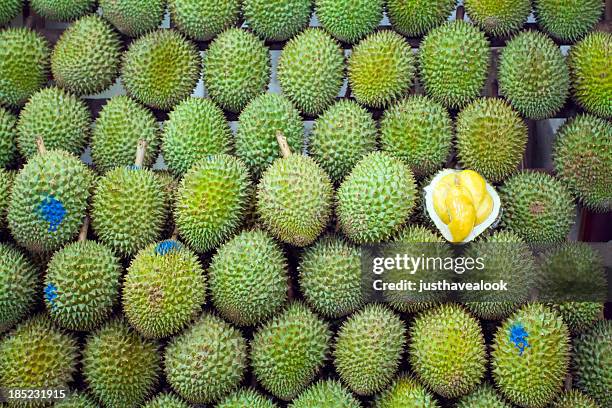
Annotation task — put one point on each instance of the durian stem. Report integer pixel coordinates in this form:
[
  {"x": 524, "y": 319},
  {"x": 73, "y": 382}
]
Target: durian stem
[
  {"x": 84, "y": 229},
  {"x": 140, "y": 152},
  {"x": 282, "y": 143},
  {"x": 40, "y": 145}
]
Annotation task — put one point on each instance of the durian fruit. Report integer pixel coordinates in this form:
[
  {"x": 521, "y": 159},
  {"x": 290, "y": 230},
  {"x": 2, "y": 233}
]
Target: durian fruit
[
  {"x": 6, "y": 185},
  {"x": 18, "y": 286},
  {"x": 406, "y": 392},
  {"x": 530, "y": 356},
  {"x": 330, "y": 277},
  {"x": 62, "y": 10},
  {"x": 258, "y": 124},
  {"x": 134, "y": 17},
  {"x": 368, "y": 349},
  {"x": 349, "y": 20},
  {"x": 203, "y": 19},
  {"x": 591, "y": 79},
  {"x": 120, "y": 367},
  {"x": 381, "y": 69},
  {"x": 82, "y": 285},
  {"x": 161, "y": 68},
  {"x": 455, "y": 47},
  {"x": 592, "y": 360},
  {"x": 246, "y": 397},
  {"x": 419, "y": 131},
  {"x": 166, "y": 400},
  {"x": 236, "y": 69},
  {"x": 311, "y": 70},
  {"x": 60, "y": 118},
  {"x": 49, "y": 200},
  {"x": 483, "y": 396},
  {"x": 491, "y": 138},
  {"x": 24, "y": 64},
  {"x": 76, "y": 400},
  {"x": 498, "y": 18},
  {"x": 575, "y": 399},
  {"x": 568, "y": 20},
  {"x": 533, "y": 75},
  {"x": 207, "y": 361},
  {"x": 327, "y": 394},
  {"x": 9, "y": 9},
  {"x": 415, "y": 18},
  {"x": 277, "y": 21},
  {"x": 340, "y": 137},
  {"x": 211, "y": 201},
  {"x": 447, "y": 350},
  {"x": 248, "y": 278},
  {"x": 375, "y": 200},
  {"x": 121, "y": 123},
  {"x": 8, "y": 138},
  {"x": 196, "y": 128},
  {"x": 537, "y": 207},
  {"x": 164, "y": 289}
]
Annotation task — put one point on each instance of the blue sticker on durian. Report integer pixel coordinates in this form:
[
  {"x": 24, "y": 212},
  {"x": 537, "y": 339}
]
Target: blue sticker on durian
[
  {"x": 52, "y": 211},
  {"x": 518, "y": 336}
]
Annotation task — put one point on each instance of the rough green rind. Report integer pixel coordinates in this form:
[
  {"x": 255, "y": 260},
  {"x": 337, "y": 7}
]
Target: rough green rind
[
  {"x": 259, "y": 122},
  {"x": 499, "y": 18},
  {"x": 592, "y": 361},
  {"x": 326, "y": 394},
  {"x": 196, "y": 128},
  {"x": 236, "y": 69},
  {"x": 203, "y": 19},
  {"x": 121, "y": 123},
  {"x": 166, "y": 400},
  {"x": 24, "y": 64},
  {"x": 161, "y": 69},
  {"x": 9, "y": 9},
  {"x": 311, "y": 70},
  {"x": 6, "y": 185},
  {"x": 414, "y": 18},
  {"x": 277, "y": 21},
  {"x": 211, "y": 201},
  {"x": 381, "y": 69},
  {"x": 531, "y": 377},
  {"x": 537, "y": 207},
  {"x": 375, "y": 200},
  {"x": 207, "y": 361},
  {"x": 455, "y": 47},
  {"x": 60, "y": 118},
  {"x": 368, "y": 349},
  {"x": 591, "y": 78},
  {"x": 134, "y": 17},
  {"x": 128, "y": 209},
  {"x": 406, "y": 392},
  {"x": 54, "y": 174},
  {"x": 19, "y": 284},
  {"x": 76, "y": 399},
  {"x": 349, "y": 20},
  {"x": 120, "y": 367},
  {"x": 483, "y": 397},
  {"x": 491, "y": 138},
  {"x": 246, "y": 397},
  {"x": 533, "y": 75},
  {"x": 294, "y": 199},
  {"x": 575, "y": 399},
  {"x": 289, "y": 350},
  {"x": 8, "y": 138},
  {"x": 568, "y": 20},
  {"x": 62, "y": 10},
  {"x": 419, "y": 131}
]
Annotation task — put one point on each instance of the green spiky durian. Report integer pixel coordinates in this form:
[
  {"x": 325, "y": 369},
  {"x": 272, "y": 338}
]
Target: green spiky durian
[
  {"x": 575, "y": 399},
  {"x": 166, "y": 400},
  {"x": 49, "y": 200},
  {"x": 76, "y": 400},
  {"x": 60, "y": 118},
  {"x": 203, "y": 19},
  {"x": 236, "y": 69},
  {"x": 246, "y": 397},
  {"x": 207, "y": 361},
  {"x": 499, "y": 18},
  {"x": 591, "y": 78},
  {"x": 82, "y": 285},
  {"x": 134, "y": 17},
  {"x": 289, "y": 350},
  {"x": 258, "y": 124},
  {"x": 533, "y": 75},
  {"x": 483, "y": 396},
  {"x": 405, "y": 392},
  {"x": 376, "y": 198},
  {"x": 381, "y": 69},
  {"x": 164, "y": 289},
  {"x": 120, "y": 367},
  {"x": 62, "y": 10},
  {"x": 6, "y": 185},
  {"x": 568, "y": 20},
  {"x": 419, "y": 131},
  {"x": 340, "y": 137},
  {"x": 349, "y": 20},
  {"x": 211, "y": 201},
  {"x": 24, "y": 64},
  {"x": 592, "y": 361},
  {"x": 456, "y": 46},
  {"x": 311, "y": 70},
  {"x": 196, "y": 128},
  {"x": 277, "y": 21},
  {"x": 139, "y": 190},
  {"x": 491, "y": 138},
  {"x": 530, "y": 356},
  {"x": 161, "y": 68},
  {"x": 86, "y": 57},
  {"x": 537, "y": 207},
  {"x": 415, "y": 18},
  {"x": 8, "y": 138},
  {"x": 18, "y": 286},
  {"x": 326, "y": 394},
  {"x": 9, "y": 9}
]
